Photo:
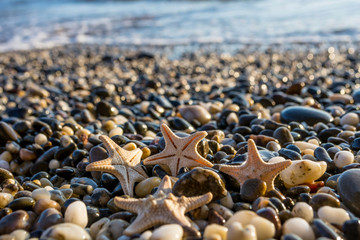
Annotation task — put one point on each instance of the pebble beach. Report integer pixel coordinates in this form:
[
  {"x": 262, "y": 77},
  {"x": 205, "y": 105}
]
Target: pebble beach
[{"x": 68, "y": 109}]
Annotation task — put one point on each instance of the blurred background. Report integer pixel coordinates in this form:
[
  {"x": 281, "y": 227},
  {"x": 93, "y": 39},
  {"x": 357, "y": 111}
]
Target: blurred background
[{"x": 26, "y": 24}]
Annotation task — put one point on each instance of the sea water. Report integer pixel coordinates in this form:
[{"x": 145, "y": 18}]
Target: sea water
[{"x": 27, "y": 24}]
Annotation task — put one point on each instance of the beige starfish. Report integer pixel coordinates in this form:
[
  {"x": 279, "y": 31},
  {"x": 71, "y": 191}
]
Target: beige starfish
[
  {"x": 161, "y": 208},
  {"x": 255, "y": 167},
  {"x": 123, "y": 164},
  {"x": 179, "y": 152}
]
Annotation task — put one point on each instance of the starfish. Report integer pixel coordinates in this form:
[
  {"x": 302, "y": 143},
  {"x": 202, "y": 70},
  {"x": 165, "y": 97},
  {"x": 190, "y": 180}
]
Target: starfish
[
  {"x": 123, "y": 164},
  {"x": 161, "y": 208},
  {"x": 179, "y": 152},
  {"x": 255, "y": 167}
]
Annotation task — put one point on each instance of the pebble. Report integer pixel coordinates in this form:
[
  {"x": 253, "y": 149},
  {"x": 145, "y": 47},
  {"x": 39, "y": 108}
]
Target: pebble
[
  {"x": 323, "y": 199},
  {"x": 145, "y": 187},
  {"x": 20, "y": 234},
  {"x": 333, "y": 215},
  {"x": 76, "y": 213},
  {"x": 5, "y": 199},
  {"x": 299, "y": 227},
  {"x": 43, "y": 204},
  {"x": 19, "y": 219},
  {"x": 66, "y": 231},
  {"x": 237, "y": 231},
  {"x": 302, "y": 171},
  {"x": 97, "y": 226},
  {"x": 168, "y": 231},
  {"x": 349, "y": 119},
  {"x": 303, "y": 210},
  {"x": 200, "y": 181},
  {"x": 349, "y": 189},
  {"x": 252, "y": 189},
  {"x": 47, "y": 218},
  {"x": 343, "y": 158},
  {"x": 215, "y": 231},
  {"x": 305, "y": 114},
  {"x": 112, "y": 229},
  {"x": 264, "y": 228},
  {"x": 195, "y": 112},
  {"x": 40, "y": 193}
]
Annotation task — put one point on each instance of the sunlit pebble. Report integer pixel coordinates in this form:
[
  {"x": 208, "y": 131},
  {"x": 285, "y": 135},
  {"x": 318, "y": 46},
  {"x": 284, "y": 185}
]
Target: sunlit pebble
[
  {"x": 303, "y": 210},
  {"x": 343, "y": 158}
]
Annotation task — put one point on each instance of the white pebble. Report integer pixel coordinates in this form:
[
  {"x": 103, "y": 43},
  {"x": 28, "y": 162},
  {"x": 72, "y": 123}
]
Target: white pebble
[
  {"x": 145, "y": 235},
  {"x": 54, "y": 164},
  {"x": 96, "y": 226},
  {"x": 333, "y": 215},
  {"x": 168, "y": 231},
  {"x": 41, "y": 139},
  {"x": 349, "y": 119},
  {"x": 65, "y": 231},
  {"x": 264, "y": 228},
  {"x": 343, "y": 158},
  {"x": 300, "y": 227},
  {"x": 236, "y": 231},
  {"x": 5, "y": 199},
  {"x": 303, "y": 210},
  {"x": 20, "y": 234},
  {"x": 215, "y": 231},
  {"x": 40, "y": 193},
  {"x": 76, "y": 213},
  {"x": 116, "y": 131}
]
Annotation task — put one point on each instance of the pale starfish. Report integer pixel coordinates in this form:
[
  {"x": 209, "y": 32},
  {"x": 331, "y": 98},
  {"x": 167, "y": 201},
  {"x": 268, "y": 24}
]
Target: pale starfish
[
  {"x": 179, "y": 152},
  {"x": 161, "y": 208},
  {"x": 255, "y": 167},
  {"x": 123, "y": 164}
]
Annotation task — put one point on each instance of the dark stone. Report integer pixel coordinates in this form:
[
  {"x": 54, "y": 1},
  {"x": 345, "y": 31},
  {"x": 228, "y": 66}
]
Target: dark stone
[
  {"x": 252, "y": 189},
  {"x": 200, "y": 181},
  {"x": 16, "y": 220},
  {"x": 323, "y": 199},
  {"x": 304, "y": 114},
  {"x": 48, "y": 218},
  {"x": 25, "y": 203},
  {"x": 105, "y": 108},
  {"x": 351, "y": 228},
  {"x": 349, "y": 189},
  {"x": 283, "y": 135}
]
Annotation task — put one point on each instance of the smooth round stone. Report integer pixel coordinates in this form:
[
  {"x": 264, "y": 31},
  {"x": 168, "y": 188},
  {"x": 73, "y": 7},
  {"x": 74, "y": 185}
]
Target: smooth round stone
[
  {"x": 252, "y": 189},
  {"x": 333, "y": 215},
  {"x": 7, "y": 132},
  {"x": 323, "y": 199},
  {"x": 40, "y": 139},
  {"x": 100, "y": 197},
  {"x": 343, "y": 158},
  {"x": 236, "y": 231},
  {"x": 302, "y": 171},
  {"x": 40, "y": 193},
  {"x": 283, "y": 135},
  {"x": 113, "y": 229},
  {"x": 5, "y": 199},
  {"x": 43, "y": 204},
  {"x": 16, "y": 220},
  {"x": 299, "y": 227},
  {"x": 200, "y": 181},
  {"x": 214, "y": 231},
  {"x": 49, "y": 217},
  {"x": 349, "y": 189},
  {"x": 169, "y": 231},
  {"x": 4, "y": 164},
  {"x": 264, "y": 228},
  {"x": 351, "y": 229},
  {"x": 97, "y": 226},
  {"x": 76, "y": 213},
  {"x": 21, "y": 203},
  {"x": 195, "y": 112},
  {"x": 303, "y": 210},
  {"x": 65, "y": 231},
  {"x": 146, "y": 186},
  {"x": 304, "y": 114},
  {"x": 20, "y": 234},
  {"x": 349, "y": 119}
]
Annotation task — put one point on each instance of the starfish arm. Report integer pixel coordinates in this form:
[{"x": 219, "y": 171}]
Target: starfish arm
[
  {"x": 130, "y": 204},
  {"x": 253, "y": 153},
  {"x": 165, "y": 186},
  {"x": 191, "y": 203},
  {"x": 102, "y": 165},
  {"x": 197, "y": 161},
  {"x": 169, "y": 137},
  {"x": 232, "y": 170},
  {"x": 272, "y": 171}
]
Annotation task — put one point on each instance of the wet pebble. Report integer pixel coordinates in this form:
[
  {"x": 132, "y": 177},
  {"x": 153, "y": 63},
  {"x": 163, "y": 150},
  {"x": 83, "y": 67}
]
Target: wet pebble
[
  {"x": 65, "y": 231},
  {"x": 305, "y": 114}
]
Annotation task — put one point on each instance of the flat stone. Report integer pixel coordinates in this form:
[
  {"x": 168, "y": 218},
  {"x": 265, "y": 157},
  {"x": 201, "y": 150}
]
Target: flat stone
[
  {"x": 349, "y": 189},
  {"x": 305, "y": 114}
]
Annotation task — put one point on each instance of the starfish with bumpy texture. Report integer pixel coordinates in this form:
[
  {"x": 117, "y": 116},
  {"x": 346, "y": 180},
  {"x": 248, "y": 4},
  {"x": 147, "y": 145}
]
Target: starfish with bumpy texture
[
  {"x": 255, "y": 167},
  {"x": 123, "y": 164},
  {"x": 161, "y": 208},
  {"x": 179, "y": 152}
]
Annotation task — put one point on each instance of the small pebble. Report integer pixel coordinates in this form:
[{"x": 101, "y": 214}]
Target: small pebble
[
  {"x": 343, "y": 158},
  {"x": 76, "y": 213},
  {"x": 299, "y": 227},
  {"x": 333, "y": 215},
  {"x": 168, "y": 231}
]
